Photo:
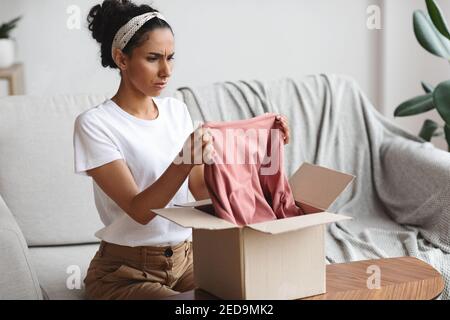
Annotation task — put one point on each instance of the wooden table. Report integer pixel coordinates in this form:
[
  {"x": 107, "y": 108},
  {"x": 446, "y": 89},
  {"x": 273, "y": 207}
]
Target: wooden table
[
  {"x": 404, "y": 278},
  {"x": 14, "y": 76}
]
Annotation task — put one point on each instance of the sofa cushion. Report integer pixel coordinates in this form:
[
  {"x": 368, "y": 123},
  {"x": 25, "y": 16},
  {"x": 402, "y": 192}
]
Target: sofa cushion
[
  {"x": 51, "y": 204},
  {"x": 61, "y": 269},
  {"x": 18, "y": 279}
]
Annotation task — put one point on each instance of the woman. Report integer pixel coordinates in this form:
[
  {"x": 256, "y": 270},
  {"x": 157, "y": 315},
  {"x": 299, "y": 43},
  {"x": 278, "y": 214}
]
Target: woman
[{"x": 128, "y": 145}]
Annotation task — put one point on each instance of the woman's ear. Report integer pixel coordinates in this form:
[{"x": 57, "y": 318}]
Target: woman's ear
[{"x": 120, "y": 59}]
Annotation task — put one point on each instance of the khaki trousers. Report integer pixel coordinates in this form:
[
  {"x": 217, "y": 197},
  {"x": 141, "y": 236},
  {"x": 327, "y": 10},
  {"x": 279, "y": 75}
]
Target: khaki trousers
[{"x": 121, "y": 272}]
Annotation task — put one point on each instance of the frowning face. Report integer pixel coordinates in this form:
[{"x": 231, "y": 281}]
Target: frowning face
[{"x": 149, "y": 66}]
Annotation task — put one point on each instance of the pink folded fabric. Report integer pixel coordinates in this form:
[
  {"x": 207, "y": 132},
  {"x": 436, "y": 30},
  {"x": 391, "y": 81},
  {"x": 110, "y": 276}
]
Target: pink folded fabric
[{"x": 246, "y": 180}]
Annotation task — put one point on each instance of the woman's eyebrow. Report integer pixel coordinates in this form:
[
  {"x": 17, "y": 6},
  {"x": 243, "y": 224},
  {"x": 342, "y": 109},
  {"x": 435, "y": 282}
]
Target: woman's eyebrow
[{"x": 159, "y": 54}]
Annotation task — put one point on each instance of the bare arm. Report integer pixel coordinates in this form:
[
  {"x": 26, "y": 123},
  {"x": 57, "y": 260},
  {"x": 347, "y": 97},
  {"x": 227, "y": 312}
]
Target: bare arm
[
  {"x": 197, "y": 184},
  {"x": 116, "y": 180}
]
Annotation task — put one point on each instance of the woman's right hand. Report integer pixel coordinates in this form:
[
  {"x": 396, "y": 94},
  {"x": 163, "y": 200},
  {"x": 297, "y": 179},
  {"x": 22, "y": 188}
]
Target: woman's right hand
[{"x": 198, "y": 148}]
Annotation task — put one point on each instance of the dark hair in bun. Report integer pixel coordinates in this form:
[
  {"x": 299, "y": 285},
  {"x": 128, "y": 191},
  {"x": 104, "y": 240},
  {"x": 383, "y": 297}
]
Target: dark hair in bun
[{"x": 107, "y": 18}]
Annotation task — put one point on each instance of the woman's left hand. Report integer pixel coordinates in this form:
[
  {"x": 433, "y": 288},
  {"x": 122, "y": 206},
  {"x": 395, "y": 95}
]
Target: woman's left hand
[{"x": 283, "y": 123}]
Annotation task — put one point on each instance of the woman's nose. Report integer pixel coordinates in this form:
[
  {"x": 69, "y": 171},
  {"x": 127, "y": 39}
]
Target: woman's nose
[{"x": 165, "y": 70}]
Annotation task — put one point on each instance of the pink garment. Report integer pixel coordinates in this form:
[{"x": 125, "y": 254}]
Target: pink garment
[{"x": 243, "y": 186}]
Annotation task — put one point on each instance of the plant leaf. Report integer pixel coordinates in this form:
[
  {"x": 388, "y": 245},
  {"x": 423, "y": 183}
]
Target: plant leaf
[
  {"x": 429, "y": 37},
  {"x": 14, "y": 21},
  {"x": 447, "y": 135},
  {"x": 438, "y": 18},
  {"x": 5, "y": 28},
  {"x": 415, "y": 105},
  {"x": 428, "y": 129},
  {"x": 427, "y": 87},
  {"x": 441, "y": 99}
]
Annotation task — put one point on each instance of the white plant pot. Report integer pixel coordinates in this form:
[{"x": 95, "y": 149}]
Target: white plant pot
[{"x": 6, "y": 53}]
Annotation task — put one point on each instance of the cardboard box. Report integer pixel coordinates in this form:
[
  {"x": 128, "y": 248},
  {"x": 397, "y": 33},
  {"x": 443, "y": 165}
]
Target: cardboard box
[{"x": 278, "y": 259}]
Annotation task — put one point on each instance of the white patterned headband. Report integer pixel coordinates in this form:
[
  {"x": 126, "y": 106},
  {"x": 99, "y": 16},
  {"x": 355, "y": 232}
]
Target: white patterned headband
[{"x": 127, "y": 31}]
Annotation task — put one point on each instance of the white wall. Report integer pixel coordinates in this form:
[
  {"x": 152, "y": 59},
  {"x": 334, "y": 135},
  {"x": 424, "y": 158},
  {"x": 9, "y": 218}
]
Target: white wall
[
  {"x": 233, "y": 40},
  {"x": 215, "y": 40}
]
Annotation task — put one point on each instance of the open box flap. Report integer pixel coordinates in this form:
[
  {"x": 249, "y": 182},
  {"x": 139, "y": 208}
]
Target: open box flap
[
  {"x": 195, "y": 203},
  {"x": 297, "y": 223},
  {"x": 192, "y": 218},
  {"x": 318, "y": 186}
]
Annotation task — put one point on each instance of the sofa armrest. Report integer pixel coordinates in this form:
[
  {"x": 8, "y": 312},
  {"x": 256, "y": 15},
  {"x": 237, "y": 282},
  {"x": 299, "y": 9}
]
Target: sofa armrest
[
  {"x": 414, "y": 185},
  {"x": 18, "y": 279}
]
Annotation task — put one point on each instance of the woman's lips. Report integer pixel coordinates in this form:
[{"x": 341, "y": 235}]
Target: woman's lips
[{"x": 160, "y": 85}]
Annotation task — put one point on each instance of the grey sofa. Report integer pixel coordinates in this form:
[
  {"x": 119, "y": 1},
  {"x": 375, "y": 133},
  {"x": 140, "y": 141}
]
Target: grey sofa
[
  {"x": 48, "y": 216},
  {"x": 47, "y": 213}
]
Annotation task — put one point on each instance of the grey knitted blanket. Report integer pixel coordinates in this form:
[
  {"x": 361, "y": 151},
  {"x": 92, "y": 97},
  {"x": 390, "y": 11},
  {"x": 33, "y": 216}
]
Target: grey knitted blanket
[{"x": 400, "y": 200}]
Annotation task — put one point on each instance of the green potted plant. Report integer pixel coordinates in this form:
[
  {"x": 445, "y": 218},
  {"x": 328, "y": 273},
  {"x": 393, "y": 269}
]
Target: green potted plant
[
  {"x": 7, "y": 53},
  {"x": 432, "y": 33}
]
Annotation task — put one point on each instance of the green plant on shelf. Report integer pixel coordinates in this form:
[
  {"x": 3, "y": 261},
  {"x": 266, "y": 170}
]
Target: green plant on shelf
[
  {"x": 7, "y": 27},
  {"x": 432, "y": 33}
]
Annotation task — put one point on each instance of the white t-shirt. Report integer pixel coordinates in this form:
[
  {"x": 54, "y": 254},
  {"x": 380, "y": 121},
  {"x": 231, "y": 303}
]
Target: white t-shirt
[{"x": 106, "y": 133}]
